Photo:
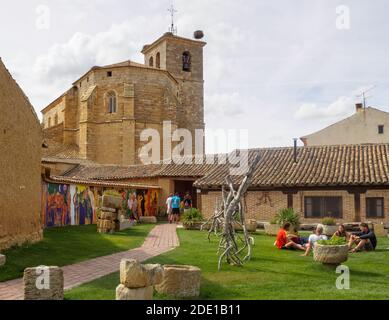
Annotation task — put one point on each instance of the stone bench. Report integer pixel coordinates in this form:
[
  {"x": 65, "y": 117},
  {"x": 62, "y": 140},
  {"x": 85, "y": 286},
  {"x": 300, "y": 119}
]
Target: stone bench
[{"x": 148, "y": 220}]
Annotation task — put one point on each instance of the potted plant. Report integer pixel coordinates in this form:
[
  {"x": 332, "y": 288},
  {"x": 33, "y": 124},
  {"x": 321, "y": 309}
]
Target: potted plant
[
  {"x": 329, "y": 226},
  {"x": 192, "y": 220},
  {"x": 333, "y": 251},
  {"x": 272, "y": 228}
]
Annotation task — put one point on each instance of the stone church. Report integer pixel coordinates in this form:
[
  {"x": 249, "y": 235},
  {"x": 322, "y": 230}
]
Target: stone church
[{"x": 101, "y": 117}]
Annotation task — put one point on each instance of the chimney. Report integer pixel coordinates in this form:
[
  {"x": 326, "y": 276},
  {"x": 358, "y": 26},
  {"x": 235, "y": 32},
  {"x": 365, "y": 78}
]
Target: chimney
[
  {"x": 359, "y": 107},
  {"x": 295, "y": 150}
]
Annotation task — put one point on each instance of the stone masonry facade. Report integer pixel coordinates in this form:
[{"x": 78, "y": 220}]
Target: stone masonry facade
[{"x": 145, "y": 95}]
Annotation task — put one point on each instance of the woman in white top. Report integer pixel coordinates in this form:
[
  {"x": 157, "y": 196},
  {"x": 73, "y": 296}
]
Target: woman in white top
[{"x": 314, "y": 238}]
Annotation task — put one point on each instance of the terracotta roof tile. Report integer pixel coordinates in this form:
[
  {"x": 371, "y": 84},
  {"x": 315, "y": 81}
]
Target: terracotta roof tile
[{"x": 316, "y": 166}]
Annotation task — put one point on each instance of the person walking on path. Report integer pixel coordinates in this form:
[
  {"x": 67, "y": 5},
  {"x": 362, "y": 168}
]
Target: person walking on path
[
  {"x": 169, "y": 208},
  {"x": 176, "y": 201}
]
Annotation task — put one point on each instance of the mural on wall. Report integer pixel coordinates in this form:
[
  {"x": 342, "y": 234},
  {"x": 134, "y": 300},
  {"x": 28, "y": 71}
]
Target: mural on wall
[
  {"x": 56, "y": 211},
  {"x": 147, "y": 202},
  {"x": 64, "y": 205},
  {"x": 84, "y": 206},
  {"x": 130, "y": 204}
]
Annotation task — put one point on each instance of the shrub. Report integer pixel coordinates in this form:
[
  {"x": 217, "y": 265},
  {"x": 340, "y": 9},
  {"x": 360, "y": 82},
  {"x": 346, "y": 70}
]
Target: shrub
[
  {"x": 192, "y": 216},
  {"x": 328, "y": 222},
  {"x": 335, "y": 241},
  {"x": 274, "y": 221},
  {"x": 288, "y": 215}
]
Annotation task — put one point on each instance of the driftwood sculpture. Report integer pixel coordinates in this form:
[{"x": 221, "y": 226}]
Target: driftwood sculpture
[{"x": 229, "y": 214}]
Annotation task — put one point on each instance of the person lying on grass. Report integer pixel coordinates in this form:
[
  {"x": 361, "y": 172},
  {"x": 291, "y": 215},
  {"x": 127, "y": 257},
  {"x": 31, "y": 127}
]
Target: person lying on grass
[
  {"x": 364, "y": 240},
  {"x": 285, "y": 243},
  {"x": 295, "y": 237},
  {"x": 342, "y": 233},
  {"x": 314, "y": 238}
]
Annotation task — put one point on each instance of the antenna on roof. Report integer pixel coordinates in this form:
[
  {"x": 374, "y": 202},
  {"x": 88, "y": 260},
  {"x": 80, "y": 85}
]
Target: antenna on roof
[
  {"x": 364, "y": 97},
  {"x": 173, "y": 27}
]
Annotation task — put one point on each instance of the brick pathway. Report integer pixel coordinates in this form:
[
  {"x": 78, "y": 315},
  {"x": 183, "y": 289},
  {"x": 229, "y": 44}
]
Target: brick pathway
[{"x": 161, "y": 239}]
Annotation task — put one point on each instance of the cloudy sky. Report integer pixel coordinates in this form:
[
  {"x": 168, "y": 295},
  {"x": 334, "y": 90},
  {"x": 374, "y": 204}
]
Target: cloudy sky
[{"x": 279, "y": 68}]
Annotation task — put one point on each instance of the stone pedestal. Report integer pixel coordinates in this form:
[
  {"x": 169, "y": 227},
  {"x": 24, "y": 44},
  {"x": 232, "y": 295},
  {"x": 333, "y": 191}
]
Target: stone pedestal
[
  {"x": 43, "y": 283},
  {"x": 137, "y": 281},
  {"x": 180, "y": 281},
  {"x": 124, "y": 293},
  {"x": 134, "y": 275},
  {"x": 251, "y": 225},
  {"x": 3, "y": 259}
]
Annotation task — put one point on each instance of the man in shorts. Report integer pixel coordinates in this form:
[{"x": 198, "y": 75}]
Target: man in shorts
[
  {"x": 364, "y": 240},
  {"x": 176, "y": 201}
]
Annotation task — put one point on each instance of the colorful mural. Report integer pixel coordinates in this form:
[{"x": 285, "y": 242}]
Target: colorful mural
[
  {"x": 56, "y": 210},
  {"x": 84, "y": 206},
  {"x": 147, "y": 202},
  {"x": 64, "y": 205}
]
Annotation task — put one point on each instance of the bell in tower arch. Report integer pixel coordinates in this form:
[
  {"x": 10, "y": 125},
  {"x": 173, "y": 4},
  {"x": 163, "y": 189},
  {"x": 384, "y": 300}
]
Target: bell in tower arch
[{"x": 186, "y": 61}]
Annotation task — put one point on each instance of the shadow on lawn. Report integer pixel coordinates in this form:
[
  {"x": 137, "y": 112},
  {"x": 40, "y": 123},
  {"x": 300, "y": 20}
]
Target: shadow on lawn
[{"x": 68, "y": 245}]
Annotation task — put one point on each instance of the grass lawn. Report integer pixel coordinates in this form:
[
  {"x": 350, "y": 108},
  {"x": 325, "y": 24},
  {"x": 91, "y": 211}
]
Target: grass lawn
[
  {"x": 68, "y": 245},
  {"x": 272, "y": 273}
]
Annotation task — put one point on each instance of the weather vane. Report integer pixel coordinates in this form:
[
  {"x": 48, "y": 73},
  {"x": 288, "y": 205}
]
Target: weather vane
[{"x": 173, "y": 28}]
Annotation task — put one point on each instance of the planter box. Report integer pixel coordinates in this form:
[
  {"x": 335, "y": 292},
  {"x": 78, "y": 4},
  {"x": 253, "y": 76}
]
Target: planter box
[
  {"x": 329, "y": 230},
  {"x": 271, "y": 229},
  {"x": 380, "y": 231},
  {"x": 330, "y": 254}
]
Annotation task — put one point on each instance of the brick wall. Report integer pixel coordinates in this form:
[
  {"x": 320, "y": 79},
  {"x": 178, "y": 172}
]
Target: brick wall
[{"x": 263, "y": 206}]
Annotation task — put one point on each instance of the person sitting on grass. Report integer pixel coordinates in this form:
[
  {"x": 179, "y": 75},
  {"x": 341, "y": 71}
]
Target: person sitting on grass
[
  {"x": 364, "y": 240},
  {"x": 342, "y": 233},
  {"x": 314, "y": 238},
  {"x": 295, "y": 237},
  {"x": 283, "y": 243}
]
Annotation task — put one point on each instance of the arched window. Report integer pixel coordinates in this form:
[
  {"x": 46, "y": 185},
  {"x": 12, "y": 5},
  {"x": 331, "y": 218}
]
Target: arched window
[
  {"x": 112, "y": 102},
  {"x": 151, "y": 62},
  {"x": 158, "y": 61},
  {"x": 186, "y": 61},
  {"x": 56, "y": 119},
  {"x": 49, "y": 123}
]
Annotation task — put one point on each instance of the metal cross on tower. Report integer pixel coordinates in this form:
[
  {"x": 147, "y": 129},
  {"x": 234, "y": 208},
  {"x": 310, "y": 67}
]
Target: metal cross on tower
[{"x": 173, "y": 28}]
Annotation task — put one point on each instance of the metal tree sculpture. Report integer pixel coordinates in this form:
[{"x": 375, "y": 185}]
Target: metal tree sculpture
[{"x": 228, "y": 214}]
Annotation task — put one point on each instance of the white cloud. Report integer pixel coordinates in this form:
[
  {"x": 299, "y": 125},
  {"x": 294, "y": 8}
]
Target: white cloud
[
  {"x": 343, "y": 106},
  {"x": 224, "y": 104}
]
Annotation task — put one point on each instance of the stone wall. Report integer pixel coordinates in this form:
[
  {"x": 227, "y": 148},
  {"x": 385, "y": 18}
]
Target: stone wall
[
  {"x": 20, "y": 166},
  {"x": 263, "y": 206}
]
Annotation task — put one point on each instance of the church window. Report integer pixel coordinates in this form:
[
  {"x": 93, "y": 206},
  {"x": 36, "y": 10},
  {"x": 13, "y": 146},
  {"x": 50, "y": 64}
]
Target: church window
[
  {"x": 186, "y": 61},
  {"x": 56, "y": 119},
  {"x": 109, "y": 74},
  {"x": 158, "y": 61},
  {"x": 49, "y": 123},
  {"x": 112, "y": 102},
  {"x": 151, "y": 62}
]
